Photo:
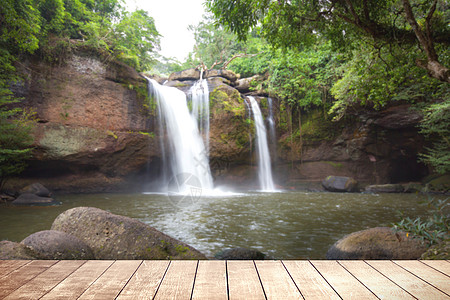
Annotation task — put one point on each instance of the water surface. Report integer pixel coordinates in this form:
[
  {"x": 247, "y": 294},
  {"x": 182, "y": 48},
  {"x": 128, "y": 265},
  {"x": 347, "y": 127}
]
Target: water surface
[{"x": 288, "y": 225}]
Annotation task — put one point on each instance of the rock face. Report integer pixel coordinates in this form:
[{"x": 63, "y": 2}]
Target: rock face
[
  {"x": 340, "y": 184},
  {"x": 93, "y": 117},
  {"x": 117, "y": 237},
  {"x": 52, "y": 244},
  {"x": 12, "y": 250},
  {"x": 377, "y": 243}
]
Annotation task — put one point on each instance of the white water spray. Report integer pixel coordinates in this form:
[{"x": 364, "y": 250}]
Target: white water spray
[
  {"x": 199, "y": 96},
  {"x": 264, "y": 164},
  {"x": 187, "y": 153}
]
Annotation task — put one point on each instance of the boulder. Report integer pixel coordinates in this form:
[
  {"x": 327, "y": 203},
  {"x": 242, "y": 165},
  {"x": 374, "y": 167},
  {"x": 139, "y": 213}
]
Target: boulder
[
  {"x": 52, "y": 244},
  {"x": 385, "y": 188},
  {"x": 112, "y": 236},
  {"x": 243, "y": 85},
  {"x": 189, "y": 74},
  {"x": 240, "y": 254},
  {"x": 36, "y": 189},
  {"x": 32, "y": 199},
  {"x": 13, "y": 250},
  {"x": 377, "y": 243},
  {"x": 340, "y": 184},
  {"x": 227, "y": 74}
]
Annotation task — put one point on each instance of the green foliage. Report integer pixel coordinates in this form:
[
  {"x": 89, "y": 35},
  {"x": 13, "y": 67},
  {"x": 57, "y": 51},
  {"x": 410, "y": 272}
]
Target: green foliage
[
  {"x": 433, "y": 229},
  {"x": 136, "y": 38},
  {"x": 436, "y": 126}
]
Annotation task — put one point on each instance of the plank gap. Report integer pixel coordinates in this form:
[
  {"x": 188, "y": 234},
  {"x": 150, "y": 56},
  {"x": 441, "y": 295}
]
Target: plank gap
[{"x": 259, "y": 278}]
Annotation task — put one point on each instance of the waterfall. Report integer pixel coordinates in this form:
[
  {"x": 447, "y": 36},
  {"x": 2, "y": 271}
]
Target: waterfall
[
  {"x": 271, "y": 121},
  {"x": 264, "y": 164},
  {"x": 199, "y": 96},
  {"x": 186, "y": 153}
]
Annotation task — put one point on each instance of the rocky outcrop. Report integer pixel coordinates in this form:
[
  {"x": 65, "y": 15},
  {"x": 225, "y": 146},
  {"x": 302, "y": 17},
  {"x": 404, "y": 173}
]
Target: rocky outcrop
[
  {"x": 94, "y": 130},
  {"x": 340, "y": 184},
  {"x": 117, "y": 237},
  {"x": 52, "y": 244},
  {"x": 377, "y": 243}
]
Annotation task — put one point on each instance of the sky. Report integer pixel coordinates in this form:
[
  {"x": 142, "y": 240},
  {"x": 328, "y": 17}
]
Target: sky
[{"x": 172, "y": 17}]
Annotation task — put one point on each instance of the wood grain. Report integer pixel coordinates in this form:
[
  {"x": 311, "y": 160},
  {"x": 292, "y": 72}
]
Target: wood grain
[
  {"x": 146, "y": 280},
  {"x": 409, "y": 282},
  {"x": 211, "y": 280},
  {"x": 178, "y": 281},
  {"x": 374, "y": 280},
  {"x": 22, "y": 275},
  {"x": 243, "y": 281},
  {"x": 310, "y": 283},
  {"x": 79, "y": 281},
  {"x": 276, "y": 282},
  {"x": 347, "y": 286},
  {"x": 47, "y": 280}
]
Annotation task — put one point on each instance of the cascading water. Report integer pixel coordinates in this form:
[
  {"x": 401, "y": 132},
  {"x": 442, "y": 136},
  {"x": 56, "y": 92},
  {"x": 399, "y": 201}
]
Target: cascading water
[
  {"x": 264, "y": 164},
  {"x": 272, "y": 134},
  {"x": 199, "y": 96},
  {"x": 187, "y": 153}
]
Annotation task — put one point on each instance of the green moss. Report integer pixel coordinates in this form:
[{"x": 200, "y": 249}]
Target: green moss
[
  {"x": 334, "y": 164},
  {"x": 181, "y": 249}
]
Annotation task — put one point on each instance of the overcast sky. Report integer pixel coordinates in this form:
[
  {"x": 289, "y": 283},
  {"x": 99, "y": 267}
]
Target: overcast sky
[{"x": 172, "y": 17}]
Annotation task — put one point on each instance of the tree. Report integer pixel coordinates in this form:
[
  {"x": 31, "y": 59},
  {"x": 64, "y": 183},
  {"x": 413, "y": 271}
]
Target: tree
[
  {"x": 295, "y": 23},
  {"x": 19, "y": 27},
  {"x": 136, "y": 39}
]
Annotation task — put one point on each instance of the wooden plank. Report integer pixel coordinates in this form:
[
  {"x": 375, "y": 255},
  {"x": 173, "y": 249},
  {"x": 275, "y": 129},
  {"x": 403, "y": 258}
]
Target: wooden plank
[
  {"x": 414, "y": 285},
  {"x": 178, "y": 281},
  {"x": 80, "y": 280},
  {"x": 310, "y": 283},
  {"x": 146, "y": 280},
  {"x": 7, "y": 266},
  {"x": 375, "y": 281},
  {"x": 44, "y": 282},
  {"x": 110, "y": 283},
  {"x": 276, "y": 282},
  {"x": 347, "y": 286},
  {"x": 19, "y": 277},
  {"x": 426, "y": 273},
  {"x": 440, "y": 265},
  {"x": 211, "y": 280},
  {"x": 243, "y": 281}
]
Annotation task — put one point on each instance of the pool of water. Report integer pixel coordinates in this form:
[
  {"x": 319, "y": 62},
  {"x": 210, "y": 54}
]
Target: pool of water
[{"x": 287, "y": 225}]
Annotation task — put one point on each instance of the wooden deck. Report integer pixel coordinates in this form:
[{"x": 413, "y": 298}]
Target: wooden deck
[{"x": 287, "y": 279}]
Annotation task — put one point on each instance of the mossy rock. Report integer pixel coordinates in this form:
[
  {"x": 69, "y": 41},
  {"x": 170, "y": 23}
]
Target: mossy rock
[
  {"x": 112, "y": 236},
  {"x": 377, "y": 243}
]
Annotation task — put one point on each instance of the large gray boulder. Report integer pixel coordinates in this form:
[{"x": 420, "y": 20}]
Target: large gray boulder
[
  {"x": 340, "y": 184},
  {"x": 189, "y": 74},
  {"x": 32, "y": 199},
  {"x": 13, "y": 250},
  {"x": 36, "y": 189},
  {"x": 52, "y": 244},
  {"x": 117, "y": 237},
  {"x": 377, "y": 243},
  {"x": 227, "y": 74}
]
